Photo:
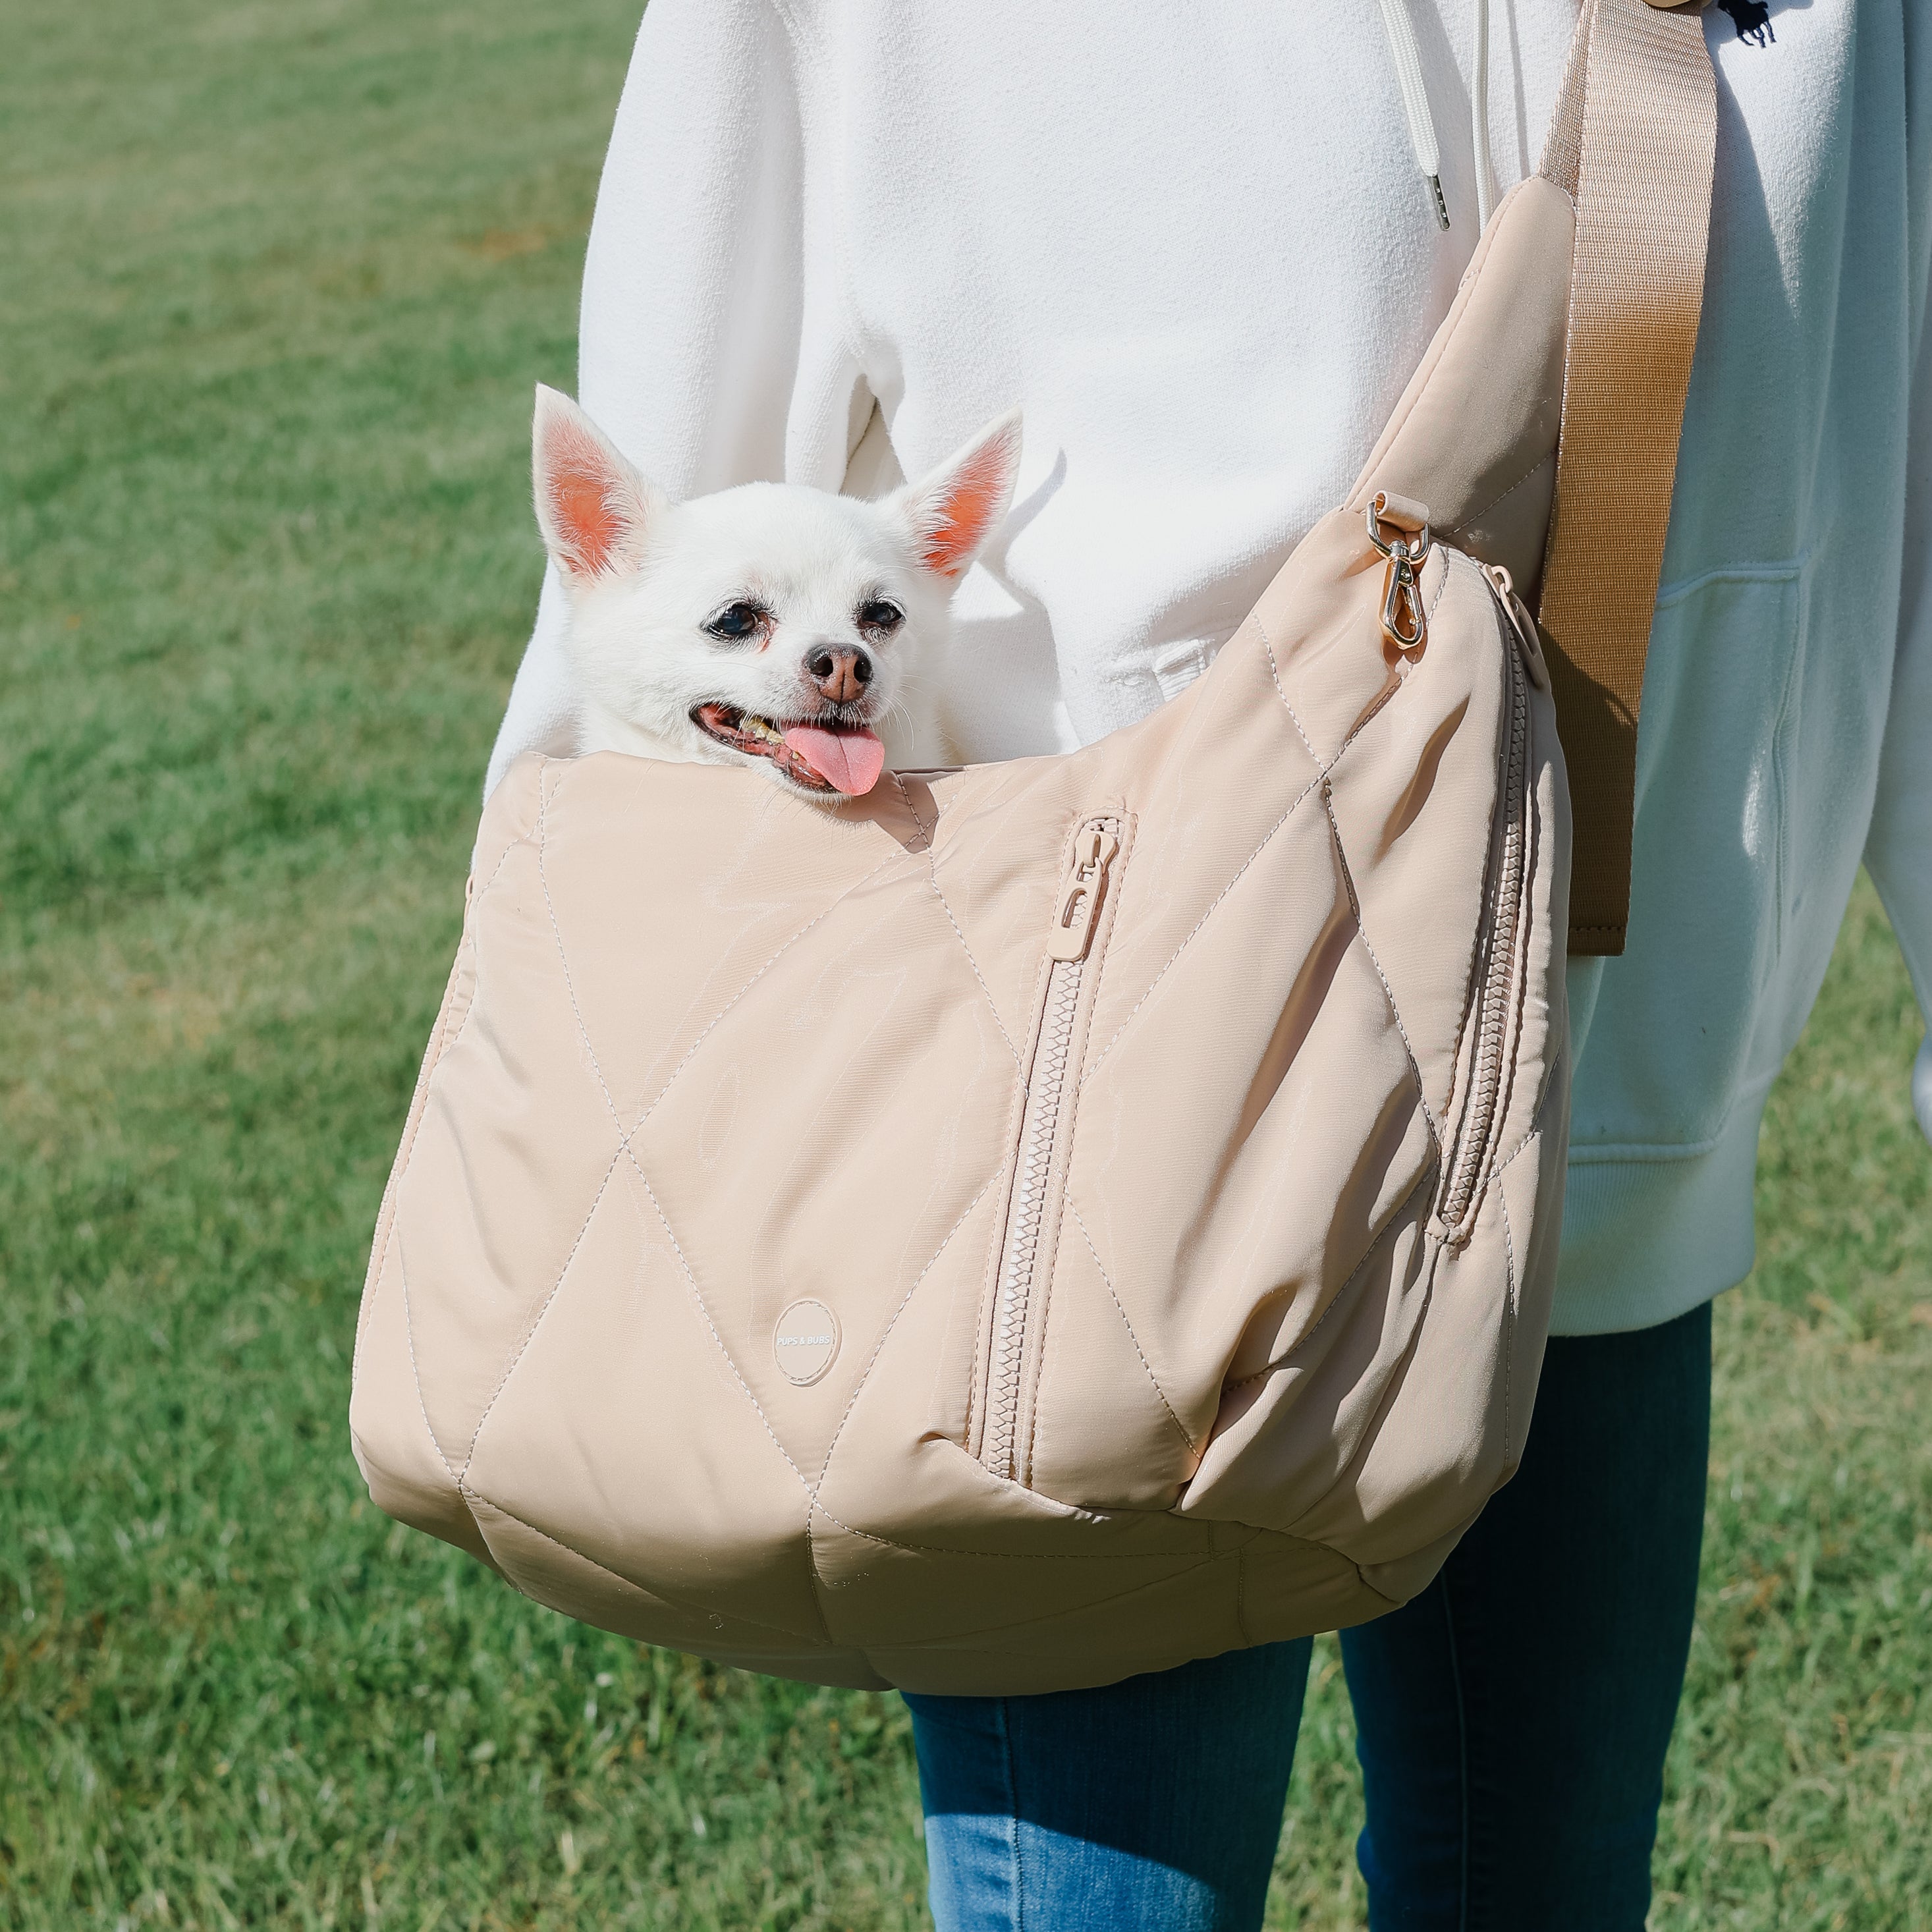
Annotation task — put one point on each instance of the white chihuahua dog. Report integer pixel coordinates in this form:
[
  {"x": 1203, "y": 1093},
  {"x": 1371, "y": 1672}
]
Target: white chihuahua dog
[{"x": 769, "y": 625}]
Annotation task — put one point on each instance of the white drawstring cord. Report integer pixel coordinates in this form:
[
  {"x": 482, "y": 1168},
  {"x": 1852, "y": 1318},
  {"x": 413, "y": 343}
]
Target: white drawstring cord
[
  {"x": 1408, "y": 57},
  {"x": 1479, "y": 118},
  {"x": 1415, "y": 99}
]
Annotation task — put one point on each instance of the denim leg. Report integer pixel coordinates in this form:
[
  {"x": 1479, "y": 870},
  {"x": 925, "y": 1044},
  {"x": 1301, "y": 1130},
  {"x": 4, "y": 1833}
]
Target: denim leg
[
  {"x": 1153, "y": 1805},
  {"x": 1512, "y": 1720}
]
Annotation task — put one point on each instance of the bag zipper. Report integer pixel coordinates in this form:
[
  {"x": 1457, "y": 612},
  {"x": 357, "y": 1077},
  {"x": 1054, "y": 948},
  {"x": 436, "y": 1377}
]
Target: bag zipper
[
  {"x": 1084, "y": 883},
  {"x": 1503, "y": 925}
]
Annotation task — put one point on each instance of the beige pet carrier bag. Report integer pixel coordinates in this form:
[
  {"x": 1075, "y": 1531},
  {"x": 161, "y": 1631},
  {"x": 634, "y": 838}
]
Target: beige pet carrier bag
[{"x": 1054, "y": 1219}]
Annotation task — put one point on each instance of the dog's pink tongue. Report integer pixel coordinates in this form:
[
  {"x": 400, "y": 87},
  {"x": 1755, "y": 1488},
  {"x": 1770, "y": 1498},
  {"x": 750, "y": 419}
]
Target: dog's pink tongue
[{"x": 851, "y": 760}]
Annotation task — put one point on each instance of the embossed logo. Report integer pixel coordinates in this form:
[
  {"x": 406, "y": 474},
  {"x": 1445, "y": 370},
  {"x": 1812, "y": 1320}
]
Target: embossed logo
[{"x": 806, "y": 1342}]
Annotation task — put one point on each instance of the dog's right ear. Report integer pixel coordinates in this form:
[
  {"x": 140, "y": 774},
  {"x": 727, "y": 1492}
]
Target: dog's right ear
[
  {"x": 594, "y": 508},
  {"x": 951, "y": 511}
]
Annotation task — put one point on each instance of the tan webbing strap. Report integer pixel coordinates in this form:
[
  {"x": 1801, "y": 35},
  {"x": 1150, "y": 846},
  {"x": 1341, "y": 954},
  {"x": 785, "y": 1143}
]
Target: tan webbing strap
[{"x": 1632, "y": 140}]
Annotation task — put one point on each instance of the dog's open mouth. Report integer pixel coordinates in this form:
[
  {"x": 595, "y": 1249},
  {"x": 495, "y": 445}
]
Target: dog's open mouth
[{"x": 826, "y": 757}]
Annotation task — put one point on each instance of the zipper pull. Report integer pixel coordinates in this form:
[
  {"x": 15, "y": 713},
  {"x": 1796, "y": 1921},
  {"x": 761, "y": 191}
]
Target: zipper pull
[
  {"x": 1529, "y": 646},
  {"x": 1081, "y": 886}
]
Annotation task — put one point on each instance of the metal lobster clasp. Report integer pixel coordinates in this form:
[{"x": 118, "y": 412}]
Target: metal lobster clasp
[{"x": 1404, "y": 622}]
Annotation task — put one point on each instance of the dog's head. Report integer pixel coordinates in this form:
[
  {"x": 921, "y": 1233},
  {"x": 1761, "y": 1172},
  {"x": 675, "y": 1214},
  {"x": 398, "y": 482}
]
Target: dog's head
[{"x": 770, "y": 623}]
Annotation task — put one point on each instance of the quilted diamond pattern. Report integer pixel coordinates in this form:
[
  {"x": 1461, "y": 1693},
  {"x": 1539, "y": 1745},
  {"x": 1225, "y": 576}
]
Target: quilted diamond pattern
[{"x": 711, "y": 1051}]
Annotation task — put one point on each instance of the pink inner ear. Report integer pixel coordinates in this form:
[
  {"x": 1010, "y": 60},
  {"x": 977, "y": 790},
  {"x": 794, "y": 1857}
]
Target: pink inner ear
[
  {"x": 966, "y": 512},
  {"x": 579, "y": 479}
]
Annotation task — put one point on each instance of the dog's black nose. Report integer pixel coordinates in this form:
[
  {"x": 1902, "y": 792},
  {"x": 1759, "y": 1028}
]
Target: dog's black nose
[{"x": 841, "y": 675}]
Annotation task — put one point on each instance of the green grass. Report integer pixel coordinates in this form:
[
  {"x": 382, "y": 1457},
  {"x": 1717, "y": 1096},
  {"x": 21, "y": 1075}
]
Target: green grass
[{"x": 279, "y": 278}]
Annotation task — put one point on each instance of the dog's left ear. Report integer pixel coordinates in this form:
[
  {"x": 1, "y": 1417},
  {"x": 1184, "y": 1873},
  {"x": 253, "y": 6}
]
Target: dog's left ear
[{"x": 952, "y": 510}]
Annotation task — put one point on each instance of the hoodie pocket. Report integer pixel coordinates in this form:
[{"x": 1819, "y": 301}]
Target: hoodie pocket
[{"x": 1670, "y": 1046}]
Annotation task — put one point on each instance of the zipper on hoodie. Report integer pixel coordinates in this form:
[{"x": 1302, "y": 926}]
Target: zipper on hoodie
[
  {"x": 1090, "y": 870},
  {"x": 1505, "y": 924}
]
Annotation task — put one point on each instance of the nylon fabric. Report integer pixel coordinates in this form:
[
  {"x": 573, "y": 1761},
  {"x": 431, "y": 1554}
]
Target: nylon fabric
[
  {"x": 1158, "y": 1147},
  {"x": 1644, "y": 135}
]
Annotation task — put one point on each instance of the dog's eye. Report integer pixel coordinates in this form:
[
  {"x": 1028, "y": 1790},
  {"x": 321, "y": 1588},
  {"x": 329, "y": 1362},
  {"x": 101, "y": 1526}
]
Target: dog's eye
[
  {"x": 877, "y": 614},
  {"x": 736, "y": 622}
]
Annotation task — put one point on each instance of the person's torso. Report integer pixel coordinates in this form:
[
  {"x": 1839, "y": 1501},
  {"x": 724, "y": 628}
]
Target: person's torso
[{"x": 1195, "y": 245}]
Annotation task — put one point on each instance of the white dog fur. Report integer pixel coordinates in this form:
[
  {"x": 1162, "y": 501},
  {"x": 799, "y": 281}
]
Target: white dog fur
[{"x": 770, "y": 624}]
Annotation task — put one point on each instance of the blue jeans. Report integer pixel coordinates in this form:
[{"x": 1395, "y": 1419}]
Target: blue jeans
[{"x": 1511, "y": 1721}]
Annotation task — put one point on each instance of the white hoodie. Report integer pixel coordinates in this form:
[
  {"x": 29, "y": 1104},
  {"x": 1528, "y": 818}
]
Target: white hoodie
[{"x": 1194, "y": 244}]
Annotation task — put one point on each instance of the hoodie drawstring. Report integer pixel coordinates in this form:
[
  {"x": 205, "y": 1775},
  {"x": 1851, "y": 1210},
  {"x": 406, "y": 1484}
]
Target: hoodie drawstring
[
  {"x": 1479, "y": 118},
  {"x": 1408, "y": 58}
]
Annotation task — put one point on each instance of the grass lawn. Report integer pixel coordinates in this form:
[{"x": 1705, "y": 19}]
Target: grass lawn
[{"x": 279, "y": 276}]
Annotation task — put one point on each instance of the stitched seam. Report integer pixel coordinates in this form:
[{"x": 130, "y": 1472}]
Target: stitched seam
[
  {"x": 1274, "y": 674},
  {"x": 1609, "y": 1153},
  {"x": 626, "y": 1135},
  {"x": 925, "y": 832},
  {"x": 1537, "y": 1123},
  {"x": 1080, "y": 1221},
  {"x": 984, "y": 1314},
  {"x": 563, "y": 958},
  {"x": 975, "y": 965},
  {"x": 1194, "y": 1557},
  {"x": 566, "y": 768},
  {"x": 1575, "y": 197},
  {"x": 1522, "y": 1146},
  {"x": 1065, "y": 1140},
  {"x": 737, "y": 1375},
  {"x": 1267, "y": 838},
  {"x": 1442, "y": 583},
  {"x": 1467, "y": 1004},
  {"x": 1520, "y": 967},
  {"x": 1040, "y": 1298},
  {"x": 415, "y": 1373},
  {"x": 703, "y": 1308},
  {"x": 885, "y": 1334},
  {"x": 1362, "y": 934},
  {"x": 1348, "y": 1472},
  {"x": 1335, "y": 1301},
  {"x": 1517, "y": 985},
  {"x": 529, "y": 1333},
  {"x": 1432, "y": 357},
  {"x": 939, "y": 894},
  {"x": 386, "y": 1213},
  {"x": 469, "y": 938},
  {"x": 522, "y": 838},
  {"x": 469, "y": 941},
  {"x": 1355, "y": 733},
  {"x": 1781, "y": 570},
  {"x": 824, "y": 914},
  {"x": 616, "y": 1577},
  {"x": 1542, "y": 463}
]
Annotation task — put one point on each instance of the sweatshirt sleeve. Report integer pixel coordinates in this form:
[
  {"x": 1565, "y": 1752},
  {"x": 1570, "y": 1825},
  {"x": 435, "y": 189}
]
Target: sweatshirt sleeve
[{"x": 713, "y": 348}]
